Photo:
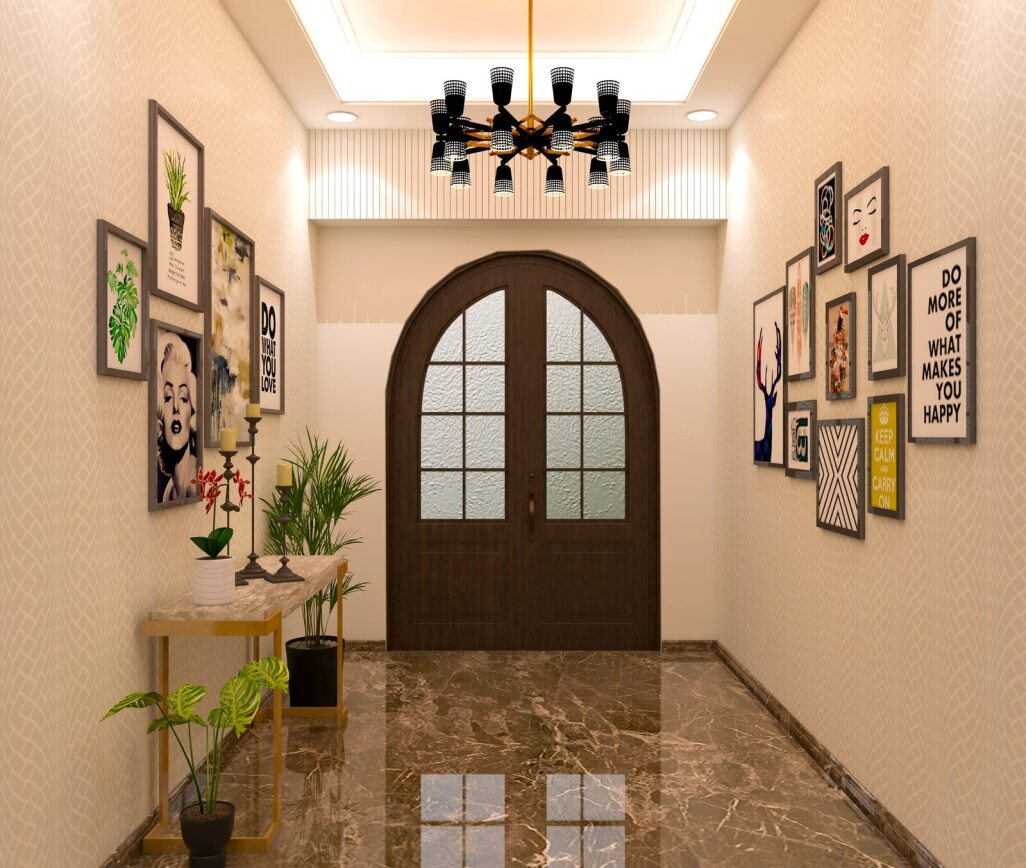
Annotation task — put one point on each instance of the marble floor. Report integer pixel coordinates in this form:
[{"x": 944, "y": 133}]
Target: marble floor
[{"x": 570, "y": 759}]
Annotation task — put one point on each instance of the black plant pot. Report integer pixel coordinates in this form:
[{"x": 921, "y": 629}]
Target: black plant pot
[
  {"x": 207, "y": 835},
  {"x": 312, "y": 671},
  {"x": 176, "y": 219}
]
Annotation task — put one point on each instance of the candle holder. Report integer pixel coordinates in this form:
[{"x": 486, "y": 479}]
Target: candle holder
[
  {"x": 284, "y": 574},
  {"x": 228, "y": 506},
  {"x": 252, "y": 570}
]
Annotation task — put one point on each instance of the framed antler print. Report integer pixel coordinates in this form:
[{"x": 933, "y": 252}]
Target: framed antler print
[{"x": 769, "y": 385}]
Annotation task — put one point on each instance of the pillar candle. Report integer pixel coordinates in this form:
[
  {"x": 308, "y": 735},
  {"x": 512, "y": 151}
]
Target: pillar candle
[
  {"x": 284, "y": 474},
  {"x": 252, "y": 411},
  {"x": 227, "y": 439}
]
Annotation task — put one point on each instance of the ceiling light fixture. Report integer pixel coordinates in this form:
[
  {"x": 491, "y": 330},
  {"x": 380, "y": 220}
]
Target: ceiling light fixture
[
  {"x": 457, "y": 137},
  {"x": 340, "y": 117},
  {"x": 702, "y": 115}
]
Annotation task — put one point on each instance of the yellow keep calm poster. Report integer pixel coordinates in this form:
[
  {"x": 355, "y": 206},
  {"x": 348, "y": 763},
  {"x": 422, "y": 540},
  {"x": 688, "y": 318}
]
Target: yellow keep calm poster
[{"x": 886, "y": 456}]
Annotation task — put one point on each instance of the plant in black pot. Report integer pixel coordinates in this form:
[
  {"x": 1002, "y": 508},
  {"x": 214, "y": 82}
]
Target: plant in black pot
[
  {"x": 177, "y": 195},
  {"x": 207, "y": 824},
  {"x": 324, "y": 487}
]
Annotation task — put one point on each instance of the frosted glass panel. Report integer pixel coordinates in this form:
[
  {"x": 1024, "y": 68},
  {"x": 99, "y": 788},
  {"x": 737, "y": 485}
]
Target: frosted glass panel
[
  {"x": 450, "y": 345},
  {"x": 486, "y": 442},
  {"x": 563, "y": 389},
  {"x": 441, "y": 441},
  {"x": 443, "y": 389},
  {"x": 486, "y": 495},
  {"x": 486, "y": 329},
  {"x": 603, "y": 441},
  {"x": 441, "y": 495},
  {"x": 602, "y": 389},
  {"x": 562, "y": 329},
  {"x": 486, "y": 388},
  {"x": 603, "y": 495},
  {"x": 596, "y": 347},
  {"x": 563, "y": 441},
  {"x": 562, "y": 494}
]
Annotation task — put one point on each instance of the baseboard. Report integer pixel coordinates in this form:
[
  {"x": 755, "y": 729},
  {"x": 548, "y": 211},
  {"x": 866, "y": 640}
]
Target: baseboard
[
  {"x": 363, "y": 646},
  {"x": 689, "y": 646}
]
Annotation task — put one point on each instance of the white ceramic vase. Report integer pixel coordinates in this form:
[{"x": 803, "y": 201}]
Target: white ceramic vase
[{"x": 213, "y": 581}]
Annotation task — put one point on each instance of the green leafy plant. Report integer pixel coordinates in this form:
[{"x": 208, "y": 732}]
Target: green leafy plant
[
  {"x": 214, "y": 542},
  {"x": 124, "y": 316},
  {"x": 174, "y": 178},
  {"x": 238, "y": 703}
]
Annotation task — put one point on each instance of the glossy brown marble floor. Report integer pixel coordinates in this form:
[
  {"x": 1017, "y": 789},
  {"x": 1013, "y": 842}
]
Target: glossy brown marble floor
[{"x": 570, "y": 759}]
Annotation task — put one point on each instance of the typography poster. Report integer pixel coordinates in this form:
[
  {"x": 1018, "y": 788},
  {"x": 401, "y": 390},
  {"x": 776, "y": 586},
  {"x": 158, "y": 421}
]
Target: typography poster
[{"x": 271, "y": 339}]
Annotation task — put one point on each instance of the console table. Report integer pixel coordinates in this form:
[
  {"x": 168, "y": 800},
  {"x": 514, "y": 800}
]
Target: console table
[{"x": 258, "y": 609}]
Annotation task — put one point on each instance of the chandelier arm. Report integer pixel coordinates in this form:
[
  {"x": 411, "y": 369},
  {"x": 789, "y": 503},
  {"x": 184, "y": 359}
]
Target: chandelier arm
[{"x": 474, "y": 125}]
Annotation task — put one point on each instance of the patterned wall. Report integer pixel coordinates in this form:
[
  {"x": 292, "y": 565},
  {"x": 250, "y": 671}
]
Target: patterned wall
[
  {"x": 906, "y": 653},
  {"x": 82, "y": 559}
]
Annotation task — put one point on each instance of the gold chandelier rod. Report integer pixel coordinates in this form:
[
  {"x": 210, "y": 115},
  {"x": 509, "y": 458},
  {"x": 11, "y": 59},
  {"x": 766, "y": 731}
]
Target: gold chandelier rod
[{"x": 530, "y": 58}]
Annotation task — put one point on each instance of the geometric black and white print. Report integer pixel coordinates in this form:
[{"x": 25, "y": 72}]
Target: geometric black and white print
[{"x": 840, "y": 482}]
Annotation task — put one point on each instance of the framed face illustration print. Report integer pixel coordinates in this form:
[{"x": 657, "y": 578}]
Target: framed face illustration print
[
  {"x": 769, "y": 386},
  {"x": 829, "y": 234},
  {"x": 886, "y": 332},
  {"x": 867, "y": 220},
  {"x": 840, "y": 347},
  {"x": 800, "y": 461},
  {"x": 801, "y": 325}
]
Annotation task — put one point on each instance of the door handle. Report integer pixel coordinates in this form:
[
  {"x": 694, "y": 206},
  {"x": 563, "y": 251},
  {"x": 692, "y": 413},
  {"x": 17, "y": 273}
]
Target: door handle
[{"x": 530, "y": 515}]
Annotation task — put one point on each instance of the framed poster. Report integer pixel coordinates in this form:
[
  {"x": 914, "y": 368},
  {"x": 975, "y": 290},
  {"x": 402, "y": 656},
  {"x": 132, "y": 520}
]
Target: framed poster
[
  {"x": 885, "y": 418},
  {"x": 886, "y": 343},
  {"x": 829, "y": 238},
  {"x": 840, "y": 347},
  {"x": 801, "y": 326},
  {"x": 839, "y": 477},
  {"x": 769, "y": 387},
  {"x": 176, "y": 415},
  {"x": 801, "y": 440},
  {"x": 867, "y": 220},
  {"x": 177, "y": 236},
  {"x": 121, "y": 303},
  {"x": 230, "y": 317},
  {"x": 271, "y": 338},
  {"x": 942, "y": 346}
]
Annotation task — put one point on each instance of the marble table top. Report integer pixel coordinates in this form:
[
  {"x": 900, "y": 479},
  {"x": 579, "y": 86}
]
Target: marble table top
[{"x": 260, "y": 600}]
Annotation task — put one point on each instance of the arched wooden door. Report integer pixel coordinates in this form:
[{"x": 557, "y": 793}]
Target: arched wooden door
[{"x": 523, "y": 464}]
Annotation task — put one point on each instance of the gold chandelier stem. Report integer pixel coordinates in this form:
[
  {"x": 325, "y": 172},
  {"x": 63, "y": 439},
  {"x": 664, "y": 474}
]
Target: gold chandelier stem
[{"x": 530, "y": 58}]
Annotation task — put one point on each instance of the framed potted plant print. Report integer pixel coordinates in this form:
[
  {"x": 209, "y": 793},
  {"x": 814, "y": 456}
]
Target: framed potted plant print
[
  {"x": 886, "y": 331},
  {"x": 840, "y": 347},
  {"x": 769, "y": 386},
  {"x": 885, "y": 418},
  {"x": 271, "y": 337},
  {"x": 942, "y": 346},
  {"x": 867, "y": 220},
  {"x": 801, "y": 326},
  {"x": 840, "y": 490},
  {"x": 230, "y": 317},
  {"x": 177, "y": 235},
  {"x": 829, "y": 237},
  {"x": 122, "y": 306},
  {"x": 800, "y": 461}
]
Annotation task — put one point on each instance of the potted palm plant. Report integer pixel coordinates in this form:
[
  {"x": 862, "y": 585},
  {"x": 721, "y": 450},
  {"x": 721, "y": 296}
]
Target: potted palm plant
[
  {"x": 207, "y": 824},
  {"x": 177, "y": 195},
  {"x": 323, "y": 488}
]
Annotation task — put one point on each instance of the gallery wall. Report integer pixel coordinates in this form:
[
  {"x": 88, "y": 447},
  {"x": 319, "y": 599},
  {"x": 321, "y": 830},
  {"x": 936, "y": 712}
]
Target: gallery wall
[
  {"x": 83, "y": 559},
  {"x": 905, "y": 653}
]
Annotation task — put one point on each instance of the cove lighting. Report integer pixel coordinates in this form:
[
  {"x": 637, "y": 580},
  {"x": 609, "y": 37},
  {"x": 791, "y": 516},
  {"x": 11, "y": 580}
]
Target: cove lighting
[
  {"x": 701, "y": 115},
  {"x": 341, "y": 117}
]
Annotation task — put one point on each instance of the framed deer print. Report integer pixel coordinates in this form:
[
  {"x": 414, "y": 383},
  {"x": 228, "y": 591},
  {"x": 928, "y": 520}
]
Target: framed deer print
[
  {"x": 885, "y": 416},
  {"x": 801, "y": 325},
  {"x": 886, "y": 319},
  {"x": 800, "y": 460},
  {"x": 840, "y": 482},
  {"x": 769, "y": 385},
  {"x": 840, "y": 347},
  {"x": 868, "y": 220},
  {"x": 828, "y": 219}
]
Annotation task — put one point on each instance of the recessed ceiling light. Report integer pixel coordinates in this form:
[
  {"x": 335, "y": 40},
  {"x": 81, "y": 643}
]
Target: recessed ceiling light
[
  {"x": 341, "y": 117},
  {"x": 702, "y": 115}
]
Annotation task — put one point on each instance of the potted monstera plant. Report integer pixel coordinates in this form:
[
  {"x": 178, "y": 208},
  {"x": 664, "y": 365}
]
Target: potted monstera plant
[
  {"x": 177, "y": 195},
  {"x": 207, "y": 824}
]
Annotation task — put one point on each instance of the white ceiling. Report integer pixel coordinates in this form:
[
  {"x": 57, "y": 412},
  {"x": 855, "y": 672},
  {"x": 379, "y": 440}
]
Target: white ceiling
[{"x": 386, "y": 54}]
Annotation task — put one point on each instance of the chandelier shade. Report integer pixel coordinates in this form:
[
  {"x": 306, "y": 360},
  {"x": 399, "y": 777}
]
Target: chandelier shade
[
  {"x": 503, "y": 181},
  {"x": 554, "y": 185},
  {"x": 460, "y": 179},
  {"x": 455, "y": 96},
  {"x": 502, "y": 85},
  {"x": 562, "y": 85},
  {"x": 439, "y": 116},
  {"x": 598, "y": 175},
  {"x": 439, "y": 165}
]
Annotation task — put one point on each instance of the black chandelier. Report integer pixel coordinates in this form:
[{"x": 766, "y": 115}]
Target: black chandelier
[{"x": 457, "y": 137}]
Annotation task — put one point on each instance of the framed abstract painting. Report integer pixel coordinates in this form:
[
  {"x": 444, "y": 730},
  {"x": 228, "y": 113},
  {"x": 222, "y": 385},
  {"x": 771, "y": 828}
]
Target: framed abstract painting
[
  {"x": 868, "y": 220},
  {"x": 886, "y": 331},
  {"x": 122, "y": 306},
  {"x": 840, "y": 481},
  {"x": 829, "y": 237},
  {"x": 840, "y": 347},
  {"x": 885, "y": 418},
  {"x": 271, "y": 349},
  {"x": 801, "y": 440},
  {"x": 801, "y": 325},
  {"x": 769, "y": 386}
]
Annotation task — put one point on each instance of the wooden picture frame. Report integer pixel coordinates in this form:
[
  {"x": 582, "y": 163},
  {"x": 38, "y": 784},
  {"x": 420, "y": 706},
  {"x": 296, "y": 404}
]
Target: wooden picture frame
[
  {"x": 801, "y": 316},
  {"x": 800, "y": 419},
  {"x": 839, "y": 355},
  {"x": 872, "y": 201},
  {"x": 829, "y": 234},
  {"x": 885, "y": 449},
  {"x": 768, "y": 450},
  {"x": 886, "y": 281},
  {"x": 840, "y": 476},
  {"x": 113, "y": 288},
  {"x": 271, "y": 370}
]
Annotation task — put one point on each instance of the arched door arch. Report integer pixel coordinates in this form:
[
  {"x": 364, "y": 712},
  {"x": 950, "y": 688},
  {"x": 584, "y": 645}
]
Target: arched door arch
[{"x": 523, "y": 464}]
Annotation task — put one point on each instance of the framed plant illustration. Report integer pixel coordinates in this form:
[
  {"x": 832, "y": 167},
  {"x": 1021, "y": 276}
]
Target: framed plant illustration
[
  {"x": 886, "y": 332},
  {"x": 867, "y": 220},
  {"x": 271, "y": 337},
  {"x": 801, "y": 440},
  {"x": 769, "y": 386},
  {"x": 176, "y": 208},
  {"x": 829, "y": 237},
  {"x": 840, "y": 491},
  {"x": 885, "y": 418},
  {"x": 231, "y": 312},
  {"x": 801, "y": 326},
  {"x": 122, "y": 306},
  {"x": 840, "y": 347}
]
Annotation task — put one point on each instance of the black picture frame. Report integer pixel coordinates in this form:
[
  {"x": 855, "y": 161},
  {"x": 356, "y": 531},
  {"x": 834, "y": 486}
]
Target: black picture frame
[
  {"x": 104, "y": 229},
  {"x": 828, "y": 217},
  {"x": 836, "y": 454},
  {"x": 778, "y": 297},
  {"x": 809, "y": 253},
  {"x": 262, "y": 285},
  {"x": 809, "y": 409},
  {"x": 883, "y": 175},
  {"x": 898, "y": 400},
  {"x": 828, "y": 336},
  {"x": 898, "y": 370}
]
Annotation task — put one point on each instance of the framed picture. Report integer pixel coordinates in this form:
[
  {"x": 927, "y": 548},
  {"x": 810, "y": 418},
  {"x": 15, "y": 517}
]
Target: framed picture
[
  {"x": 886, "y": 321},
  {"x": 942, "y": 346},
  {"x": 769, "y": 386},
  {"x": 801, "y": 440},
  {"x": 839, "y": 476},
  {"x": 122, "y": 306},
  {"x": 231, "y": 312},
  {"x": 176, "y": 414},
  {"x": 801, "y": 326},
  {"x": 840, "y": 347},
  {"x": 829, "y": 238},
  {"x": 867, "y": 220},
  {"x": 176, "y": 209},
  {"x": 271, "y": 363},
  {"x": 885, "y": 418}
]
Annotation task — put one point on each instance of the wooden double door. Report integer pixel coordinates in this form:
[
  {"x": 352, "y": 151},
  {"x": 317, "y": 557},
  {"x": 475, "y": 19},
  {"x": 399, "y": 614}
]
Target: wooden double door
[{"x": 523, "y": 478}]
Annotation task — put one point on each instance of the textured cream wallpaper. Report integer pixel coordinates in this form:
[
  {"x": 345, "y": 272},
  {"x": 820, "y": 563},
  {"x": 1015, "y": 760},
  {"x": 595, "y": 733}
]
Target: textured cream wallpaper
[
  {"x": 82, "y": 559},
  {"x": 906, "y": 653}
]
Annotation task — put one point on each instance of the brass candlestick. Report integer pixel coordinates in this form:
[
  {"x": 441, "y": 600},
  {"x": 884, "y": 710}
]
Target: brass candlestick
[
  {"x": 252, "y": 570},
  {"x": 284, "y": 574},
  {"x": 228, "y": 506}
]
